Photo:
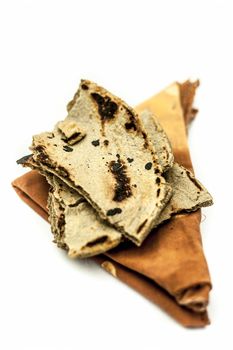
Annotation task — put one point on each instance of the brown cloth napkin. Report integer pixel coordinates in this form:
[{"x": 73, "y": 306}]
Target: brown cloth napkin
[{"x": 170, "y": 267}]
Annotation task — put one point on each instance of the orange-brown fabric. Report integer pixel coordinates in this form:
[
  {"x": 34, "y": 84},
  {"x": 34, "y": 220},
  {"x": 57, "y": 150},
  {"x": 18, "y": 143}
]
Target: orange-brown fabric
[
  {"x": 170, "y": 267},
  {"x": 187, "y": 93},
  {"x": 172, "y": 254},
  {"x": 33, "y": 189},
  {"x": 154, "y": 293}
]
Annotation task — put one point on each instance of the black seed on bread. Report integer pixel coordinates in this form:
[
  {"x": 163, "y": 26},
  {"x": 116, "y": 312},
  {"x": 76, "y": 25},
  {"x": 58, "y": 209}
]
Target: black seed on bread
[
  {"x": 95, "y": 143},
  {"x": 114, "y": 211}
]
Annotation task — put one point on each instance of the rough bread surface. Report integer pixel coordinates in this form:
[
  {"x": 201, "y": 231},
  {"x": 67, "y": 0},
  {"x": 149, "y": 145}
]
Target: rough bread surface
[
  {"x": 81, "y": 232},
  {"x": 188, "y": 193},
  {"x": 159, "y": 140}
]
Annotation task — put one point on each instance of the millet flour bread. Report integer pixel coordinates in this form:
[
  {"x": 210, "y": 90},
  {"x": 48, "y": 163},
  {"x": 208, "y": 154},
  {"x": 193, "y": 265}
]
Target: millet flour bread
[
  {"x": 113, "y": 165},
  {"x": 77, "y": 227}
]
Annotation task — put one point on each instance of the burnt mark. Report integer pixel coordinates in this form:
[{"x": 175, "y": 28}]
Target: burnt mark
[
  {"x": 148, "y": 166},
  {"x": 24, "y": 159},
  {"x": 130, "y": 126},
  {"x": 158, "y": 180},
  {"x": 158, "y": 192},
  {"x": 132, "y": 123},
  {"x": 106, "y": 107},
  {"x": 60, "y": 206},
  {"x": 114, "y": 211},
  {"x": 42, "y": 157},
  {"x": 141, "y": 226},
  {"x": 116, "y": 166},
  {"x": 99, "y": 240},
  {"x": 62, "y": 171},
  {"x": 122, "y": 188},
  {"x": 84, "y": 87},
  {"x": 194, "y": 180},
  {"x": 79, "y": 201},
  {"x": 76, "y": 135},
  {"x": 130, "y": 113},
  {"x": 51, "y": 136},
  {"x": 95, "y": 143},
  {"x": 39, "y": 149},
  {"x": 67, "y": 149},
  {"x": 166, "y": 152},
  {"x": 156, "y": 171},
  {"x": 61, "y": 222},
  {"x": 146, "y": 143},
  {"x": 130, "y": 160},
  {"x": 106, "y": 142}
]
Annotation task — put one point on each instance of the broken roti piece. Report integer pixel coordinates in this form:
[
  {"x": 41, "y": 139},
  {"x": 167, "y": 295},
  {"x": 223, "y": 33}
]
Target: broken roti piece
[
  {"x": 114, "y": 166},
  {"x": 56, "y": 219},
  {"x": 84, "y": 234},
  {"x": 188, "y": 193},
  {"x": 75, "y": 225},
  {"x": 159, "y": 140}
]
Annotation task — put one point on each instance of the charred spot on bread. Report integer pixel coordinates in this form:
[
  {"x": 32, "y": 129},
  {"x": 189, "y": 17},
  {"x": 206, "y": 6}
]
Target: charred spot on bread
[
  {"x": 122, "y": 188},
  {"x": 114, "y": 211},
  {"x": 42, "y": 157},
  {"x": 132, "y": 123},
  {"x": 158, "y": 180},
  {"x": 51, "y": 136},
  {"x": 23, "y": 159},
  {"x": 67, "y": 149},
  {"x": 97, "y": 241},
  {"x": 141, "y": 226},
  {"x": 84, "y": 86},
  {"x": 148, "y": 166},
  {"x": 106, "y": 107},
  {"x": 146, "y": 144},
  {"x": 62, "y": 171},
  {"x": 95, "y": 143},
  {"x": 76, "y": 135}
]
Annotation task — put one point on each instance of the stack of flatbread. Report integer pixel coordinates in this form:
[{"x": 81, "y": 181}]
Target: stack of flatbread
[{"x": 112, "y": 174}]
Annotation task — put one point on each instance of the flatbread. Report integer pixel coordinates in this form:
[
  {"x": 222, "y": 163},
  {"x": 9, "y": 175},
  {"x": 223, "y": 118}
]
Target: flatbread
[
  {"x": 188, "y": 193},
  {"x": 159, "y": 140},
  {"x": 113, "y": 166},
  {"x": 80, "y": 231},
  {"x": 75, "y": 225}
]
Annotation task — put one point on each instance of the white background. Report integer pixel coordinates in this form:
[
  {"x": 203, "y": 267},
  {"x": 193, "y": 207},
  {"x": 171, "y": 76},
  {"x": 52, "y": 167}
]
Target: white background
[{"x": 133, "y": 48}]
